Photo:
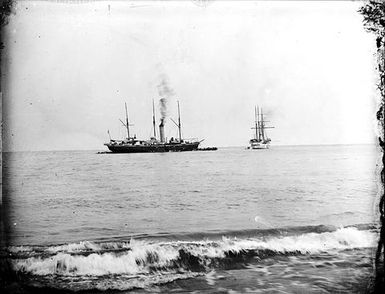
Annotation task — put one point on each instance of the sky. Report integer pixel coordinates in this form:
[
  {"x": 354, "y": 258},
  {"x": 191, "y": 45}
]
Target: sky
[{"x": 69, "y": 67}]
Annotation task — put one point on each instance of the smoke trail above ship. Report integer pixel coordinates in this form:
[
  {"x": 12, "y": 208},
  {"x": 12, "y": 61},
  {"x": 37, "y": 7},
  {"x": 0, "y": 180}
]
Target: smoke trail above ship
[{"x": 165, "y": 92}]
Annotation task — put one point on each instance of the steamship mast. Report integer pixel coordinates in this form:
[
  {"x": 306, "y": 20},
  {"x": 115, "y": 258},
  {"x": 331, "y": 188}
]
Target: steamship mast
[
  {"x": 126, "y": 124},
  {"x": 153, "y": 118},
  {"x": 178, "y": 124}
]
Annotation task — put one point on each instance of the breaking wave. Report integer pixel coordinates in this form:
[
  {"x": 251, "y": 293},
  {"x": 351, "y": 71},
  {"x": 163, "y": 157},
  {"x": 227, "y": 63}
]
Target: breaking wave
[{"x": 143, "y": 258}]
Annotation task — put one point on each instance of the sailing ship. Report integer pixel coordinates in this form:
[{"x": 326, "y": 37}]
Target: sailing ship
[
  {"x": 260, "y": 140},
  {"x": 133, "y": 145}
]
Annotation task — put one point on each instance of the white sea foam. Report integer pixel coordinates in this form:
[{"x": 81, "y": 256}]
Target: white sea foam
[
  {"x": 88, "y": 246},
  {"x": 83, "y": 246},
  {"x": 142, "y": 257}
]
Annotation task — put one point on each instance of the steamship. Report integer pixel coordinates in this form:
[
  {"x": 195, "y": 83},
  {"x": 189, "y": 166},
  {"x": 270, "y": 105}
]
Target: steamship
[
  {"x": 260, "y": 140},
  {"x": 133, "y": 145}
]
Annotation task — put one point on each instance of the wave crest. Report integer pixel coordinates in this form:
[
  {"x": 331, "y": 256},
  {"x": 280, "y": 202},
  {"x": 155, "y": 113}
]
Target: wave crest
[{"x": 139, "y": 257}]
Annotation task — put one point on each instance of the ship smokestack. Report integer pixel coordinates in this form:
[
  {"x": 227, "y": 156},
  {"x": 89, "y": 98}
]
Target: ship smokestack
[
  {"x": 163, "y": 115},
  {"x": 161, "y": 131}
]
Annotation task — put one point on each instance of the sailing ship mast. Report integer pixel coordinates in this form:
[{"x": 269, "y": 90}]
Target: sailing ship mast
[
  {"x": 259, "y": 125},
  {"x": 256, "y": 122},
  {"x": 262, "y": 126}
]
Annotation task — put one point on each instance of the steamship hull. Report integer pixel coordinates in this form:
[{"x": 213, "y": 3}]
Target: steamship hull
[{"x": 125, "y": 148}]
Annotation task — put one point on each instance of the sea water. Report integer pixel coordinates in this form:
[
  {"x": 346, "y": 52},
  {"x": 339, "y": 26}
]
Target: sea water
[{"x": 288, "y": 219}]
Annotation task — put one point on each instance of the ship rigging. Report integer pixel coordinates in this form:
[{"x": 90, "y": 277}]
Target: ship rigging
[
  {"x": 134, "y": 145},
  {"x": 260, "y": 140}
]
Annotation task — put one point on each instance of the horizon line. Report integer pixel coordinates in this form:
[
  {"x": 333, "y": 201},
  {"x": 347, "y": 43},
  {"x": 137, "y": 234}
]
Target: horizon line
[{"x": 238, "y": 146}]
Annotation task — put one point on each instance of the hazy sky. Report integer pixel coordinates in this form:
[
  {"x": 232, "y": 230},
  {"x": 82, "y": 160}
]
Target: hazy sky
[{"x": 68, "y": 69}]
